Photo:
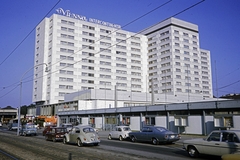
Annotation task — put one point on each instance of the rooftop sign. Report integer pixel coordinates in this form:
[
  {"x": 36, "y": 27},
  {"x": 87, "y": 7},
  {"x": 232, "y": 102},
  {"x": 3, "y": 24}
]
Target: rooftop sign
[{"x": 67, "y": 13}]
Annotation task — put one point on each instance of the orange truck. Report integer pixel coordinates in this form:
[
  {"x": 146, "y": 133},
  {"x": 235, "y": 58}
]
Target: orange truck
[{"x": 48, "y": 120}]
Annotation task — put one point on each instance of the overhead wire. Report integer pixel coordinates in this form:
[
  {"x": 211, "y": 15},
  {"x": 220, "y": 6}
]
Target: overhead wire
[
  {"x": 129, "y": 37},
  {"x": 95, "y": 41},
  {"x": 90, "y": 44},
  {"x": 137, "y": 32},
  {"x": 228, "y": 85},
  {"x": 28, "y": 34},
  {"x": 16, "y": 83}
]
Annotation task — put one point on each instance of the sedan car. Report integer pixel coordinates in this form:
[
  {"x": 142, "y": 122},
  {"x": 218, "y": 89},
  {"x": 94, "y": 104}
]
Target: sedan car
[
  {"x": 47, "y": 128},
  {"x": 154, "y": 134},
  {"x": 55, "y": 133},
  {"x": 28, "y": 130},
  {"x": 119, "y": 132},
  {"x": 217, "y": 143},
  {"x": 81, "y": 135}
]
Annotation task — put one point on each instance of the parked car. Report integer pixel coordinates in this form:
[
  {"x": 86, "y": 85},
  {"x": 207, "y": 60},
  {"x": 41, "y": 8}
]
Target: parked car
[
  {"x": 0, "y": 124},
  {"x": 119, "y": 132},
  {"x": 154, "y": 134},
  {"x": 69, "y": 126},
  {"x": 217, "y": 143},
  {"x": 81, "y": 135},
  {"x": 55, "y": 133},
  {"x": 47, "y": 128},
  {"x": 28, "y": 129}
]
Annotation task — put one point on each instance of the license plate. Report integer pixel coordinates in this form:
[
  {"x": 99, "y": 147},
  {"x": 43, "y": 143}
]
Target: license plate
[{"x": 172, "y": 136}]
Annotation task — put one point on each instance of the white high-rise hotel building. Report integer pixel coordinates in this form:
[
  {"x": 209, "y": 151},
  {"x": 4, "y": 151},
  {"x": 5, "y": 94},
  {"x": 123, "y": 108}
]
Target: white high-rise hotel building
[{"x": 84, "y": 53}]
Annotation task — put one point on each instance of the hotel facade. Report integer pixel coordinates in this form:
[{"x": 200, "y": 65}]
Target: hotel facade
[{"x": 85, "y": 53}]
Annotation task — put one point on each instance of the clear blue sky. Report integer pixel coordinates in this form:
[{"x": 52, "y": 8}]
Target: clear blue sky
[{"x": 218, "y": 22}]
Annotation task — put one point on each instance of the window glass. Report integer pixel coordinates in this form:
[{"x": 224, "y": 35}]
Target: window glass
[
  {"x": 215, "y": 136},
  {"x": 161, "y": 129}
]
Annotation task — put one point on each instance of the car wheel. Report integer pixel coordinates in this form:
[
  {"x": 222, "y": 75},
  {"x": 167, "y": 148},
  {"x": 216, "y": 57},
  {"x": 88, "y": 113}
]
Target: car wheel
[
  {"x": 192, "y": 151},
  {"x": 95, "y": 144},
  {"x": 155, "y": 141},
  {"x": 64, "y": 140},
  {"x": 120, "y": 138},
  {"x": 133, "y": 139},
  {"x": 109, "y": 137},
  {"x": 46, "y": 138},
  {"x": 79, "y": 143}
]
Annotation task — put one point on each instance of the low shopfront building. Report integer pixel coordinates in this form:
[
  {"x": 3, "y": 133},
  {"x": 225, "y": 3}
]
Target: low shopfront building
[{"x": 7, "y": 113}]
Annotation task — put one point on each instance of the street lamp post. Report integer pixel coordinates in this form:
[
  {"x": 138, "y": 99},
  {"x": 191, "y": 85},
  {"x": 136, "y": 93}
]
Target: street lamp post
[{"x": 19, "y": 108}]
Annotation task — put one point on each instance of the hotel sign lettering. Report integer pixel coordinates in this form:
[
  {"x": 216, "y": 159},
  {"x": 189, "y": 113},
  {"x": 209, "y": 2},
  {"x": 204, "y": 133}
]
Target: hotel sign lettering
[{"x": 67, "y": 13}]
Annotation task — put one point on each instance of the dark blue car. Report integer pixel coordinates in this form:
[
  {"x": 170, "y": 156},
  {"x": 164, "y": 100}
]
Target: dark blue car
[{"x": 155, "y": 135}]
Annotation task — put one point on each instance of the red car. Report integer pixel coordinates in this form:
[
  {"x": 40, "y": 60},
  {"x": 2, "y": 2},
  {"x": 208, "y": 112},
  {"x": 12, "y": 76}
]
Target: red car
[
  {"x": 47, "y": 128},
  {"x": 55, "y": 134}
]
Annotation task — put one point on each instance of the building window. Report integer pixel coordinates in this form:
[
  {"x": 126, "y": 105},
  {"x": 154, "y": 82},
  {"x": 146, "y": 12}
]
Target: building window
[
  {"x": 88, "y": 27},
  {"x": 175, "y": 31},
  {"x": 185, "y": 34},
  {"x": 121, "y": 34},
  {"x": 105, "y": 31},
  {"x": 186, "y": 46}
]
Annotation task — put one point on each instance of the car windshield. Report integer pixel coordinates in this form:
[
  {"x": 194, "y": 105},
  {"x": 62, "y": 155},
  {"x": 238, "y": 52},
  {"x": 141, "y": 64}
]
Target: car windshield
[
  {"x": 30, "y": 126},
  {"x": 88, "y": 130},
  {"x": 67, "y": 126},
  {"x": 59, "y": 130},
  {"x": 126, "y": 129},
  {"x": 161, "y": 129}
]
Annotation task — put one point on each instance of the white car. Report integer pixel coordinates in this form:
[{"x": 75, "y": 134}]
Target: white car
[
  {"x": 81, "y": 135},
  {"x": 218, "y": 143},
  {"x": 119, "y": 132},
  {"x": 0, "y": 124}
]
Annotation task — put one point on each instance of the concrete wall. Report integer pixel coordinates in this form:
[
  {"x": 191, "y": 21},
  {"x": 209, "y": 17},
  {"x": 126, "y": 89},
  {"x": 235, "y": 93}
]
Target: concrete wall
[
  {"x": 194, "y": 125},
  {"x": 209, "y": 121},
  {"x": 98, "y": 122},
  {"x": 236, "y": 121},
  {"x": 85, "y": 121},
  {"x": 135, "y": 123},
  {"x": 161, "y": 121}
]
